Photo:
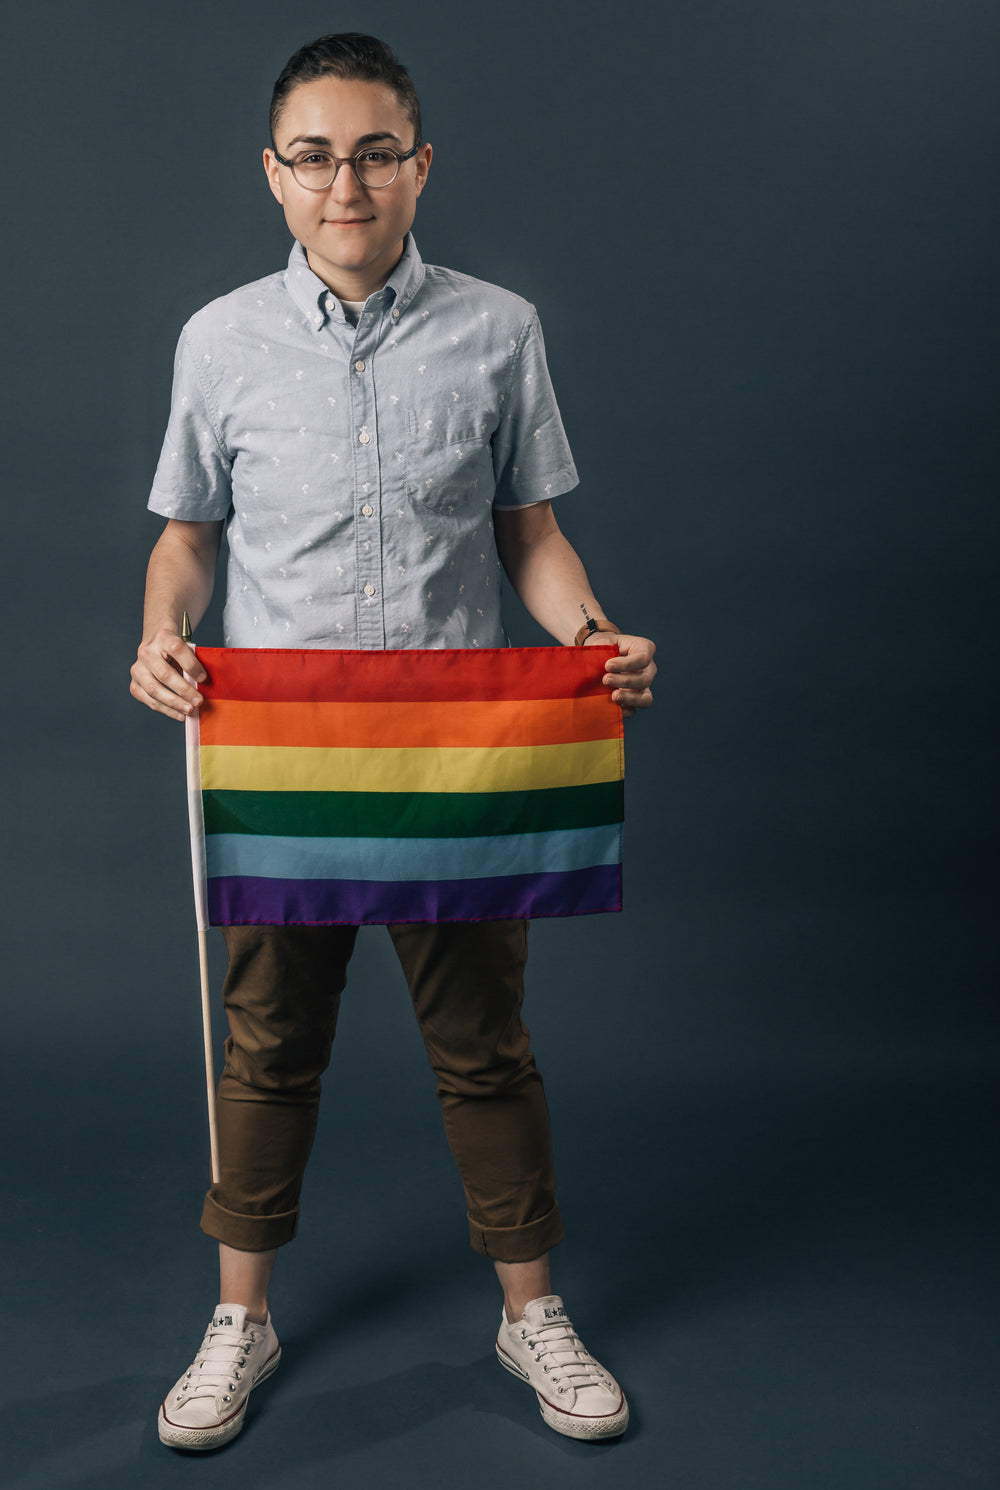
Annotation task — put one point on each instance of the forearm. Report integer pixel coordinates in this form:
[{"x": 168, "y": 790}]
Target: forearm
[
  {"x": 180, "y": 577},
  {"x": 548, "y": 576}
]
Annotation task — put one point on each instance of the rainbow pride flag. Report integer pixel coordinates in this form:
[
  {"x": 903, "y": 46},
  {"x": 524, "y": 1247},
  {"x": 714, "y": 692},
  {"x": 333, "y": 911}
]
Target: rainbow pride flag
[{"x": 331, "y": 787}]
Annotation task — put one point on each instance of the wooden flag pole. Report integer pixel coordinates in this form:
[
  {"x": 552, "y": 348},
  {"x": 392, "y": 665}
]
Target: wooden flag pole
[
  {"x": 206, "y": 1023},
  {"x": 194, "y": 790}
]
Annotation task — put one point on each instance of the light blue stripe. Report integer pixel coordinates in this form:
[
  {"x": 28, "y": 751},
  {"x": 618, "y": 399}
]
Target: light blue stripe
[{"x": 235, "y": 854}]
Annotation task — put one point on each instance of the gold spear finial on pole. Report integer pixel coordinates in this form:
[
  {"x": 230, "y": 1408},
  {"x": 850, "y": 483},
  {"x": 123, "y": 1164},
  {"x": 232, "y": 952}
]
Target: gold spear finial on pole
[{"x": 186, "y": 632}]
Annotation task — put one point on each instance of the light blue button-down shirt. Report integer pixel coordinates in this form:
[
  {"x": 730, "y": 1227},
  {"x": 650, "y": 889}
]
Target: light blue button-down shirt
[{"x": 357, "y": 467}]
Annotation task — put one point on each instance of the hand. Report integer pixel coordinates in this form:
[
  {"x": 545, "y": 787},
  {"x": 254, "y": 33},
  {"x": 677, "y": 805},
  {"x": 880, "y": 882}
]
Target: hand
[
  {"x": 157, "y": 675},
  {"x": 631, "y": 673}
]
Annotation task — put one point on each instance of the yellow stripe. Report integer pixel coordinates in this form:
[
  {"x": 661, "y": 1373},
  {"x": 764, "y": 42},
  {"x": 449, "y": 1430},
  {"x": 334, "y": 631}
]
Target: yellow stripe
[{"x": 272, "y": 768}]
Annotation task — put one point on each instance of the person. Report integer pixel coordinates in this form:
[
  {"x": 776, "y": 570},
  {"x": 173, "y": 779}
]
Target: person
[{"x": 380, "y": 440}]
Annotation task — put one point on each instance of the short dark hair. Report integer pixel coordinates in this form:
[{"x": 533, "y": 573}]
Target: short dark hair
[{"x": 350, "y": 54}]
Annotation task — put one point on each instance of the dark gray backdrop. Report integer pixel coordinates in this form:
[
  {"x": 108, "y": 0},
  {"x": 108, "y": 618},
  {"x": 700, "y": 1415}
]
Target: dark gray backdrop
[{"x": 763, "y": 271}]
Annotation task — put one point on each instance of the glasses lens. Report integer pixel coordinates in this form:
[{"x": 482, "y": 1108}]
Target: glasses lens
[
  {"x": 376, "y": 167},
  {"x": 315, "y": 170}
]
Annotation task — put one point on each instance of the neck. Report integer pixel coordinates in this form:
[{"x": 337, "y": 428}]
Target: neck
[{"x": 349, "y": 284}]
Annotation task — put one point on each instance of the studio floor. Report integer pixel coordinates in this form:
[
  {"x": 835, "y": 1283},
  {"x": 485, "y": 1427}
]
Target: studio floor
[{"x": 791, "y": 1271}]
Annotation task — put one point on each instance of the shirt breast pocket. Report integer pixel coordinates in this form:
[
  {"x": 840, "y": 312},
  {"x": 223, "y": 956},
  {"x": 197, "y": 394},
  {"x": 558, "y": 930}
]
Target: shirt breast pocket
[{"x": 449, "y": 460}]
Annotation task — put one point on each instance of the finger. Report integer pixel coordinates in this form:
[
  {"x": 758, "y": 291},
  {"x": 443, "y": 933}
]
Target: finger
[
  {"x": 639, "y": 684},
  {"x": 645, "y": 670},
  {"x": 192, "y": 664},
  {"x": 183, "y": 656},
  {"x": 160, "y": 682},
  {"x": 631, "y": 700},
  {"x": 632, "y": 661},
  {"x": 165, "y": 668},
  {"x": 169, "y": 686},
  {"x": 143, "y": 697},
  {"x": 175, "y": 652}
]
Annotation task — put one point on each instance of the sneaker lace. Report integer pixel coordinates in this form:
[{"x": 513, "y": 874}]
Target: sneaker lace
[
  {"x": 563, "y": 1356},
  {"x": 218, "y": 1366}
]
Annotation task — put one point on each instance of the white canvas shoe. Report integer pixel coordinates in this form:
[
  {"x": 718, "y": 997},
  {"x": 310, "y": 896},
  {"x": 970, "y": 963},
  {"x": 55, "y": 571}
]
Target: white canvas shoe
[
  {"x": 576, "y": 1396},
  {"x": 206, "y": 1407}
]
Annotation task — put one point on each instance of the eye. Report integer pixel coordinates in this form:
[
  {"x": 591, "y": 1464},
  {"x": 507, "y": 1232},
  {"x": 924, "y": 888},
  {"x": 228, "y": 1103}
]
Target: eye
[
  {"x": 376, "y": 157},
  {"x": 314, "y": 158}
]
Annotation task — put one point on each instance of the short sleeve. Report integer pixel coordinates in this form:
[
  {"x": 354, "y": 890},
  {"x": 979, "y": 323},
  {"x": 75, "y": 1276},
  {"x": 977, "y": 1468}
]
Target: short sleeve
[
  {"x": 192, "y": 480},
  {"x": 531, "y": 455}
]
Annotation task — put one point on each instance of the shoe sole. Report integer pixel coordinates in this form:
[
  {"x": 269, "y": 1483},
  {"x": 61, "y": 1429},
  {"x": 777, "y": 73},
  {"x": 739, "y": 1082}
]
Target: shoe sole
[
  {"x": 197, "y": 1440},
  {"x": 569, "y": 1425}
]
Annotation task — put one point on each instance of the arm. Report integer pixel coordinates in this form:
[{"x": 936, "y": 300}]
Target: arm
[
  {"x": 546, "y": 572},
  {"x": 180, "y": 577}
]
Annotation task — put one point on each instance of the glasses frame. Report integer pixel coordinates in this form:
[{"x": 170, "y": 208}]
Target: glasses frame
[{"x": 352, "y": 161}]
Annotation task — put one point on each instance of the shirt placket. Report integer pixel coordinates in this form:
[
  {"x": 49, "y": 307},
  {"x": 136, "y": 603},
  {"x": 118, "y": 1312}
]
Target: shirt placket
[{"x": 367, "y": 484}]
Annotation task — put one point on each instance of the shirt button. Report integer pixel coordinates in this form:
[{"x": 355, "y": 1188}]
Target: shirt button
[
  {"x": 395, "y": 315},
  {"x": 359, "y": 366},
  {"x": 364, "y": 437},
  {"x": 367, "y": 511},
  {"x": 369, "y": 590}
]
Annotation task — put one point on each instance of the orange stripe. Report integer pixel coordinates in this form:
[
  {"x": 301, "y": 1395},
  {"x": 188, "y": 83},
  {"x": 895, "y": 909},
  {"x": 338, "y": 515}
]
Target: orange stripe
[{"x": 366, "y": 726}]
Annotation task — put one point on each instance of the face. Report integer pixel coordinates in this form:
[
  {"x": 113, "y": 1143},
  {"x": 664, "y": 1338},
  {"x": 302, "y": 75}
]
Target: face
[{"x": 352, "y": 234}]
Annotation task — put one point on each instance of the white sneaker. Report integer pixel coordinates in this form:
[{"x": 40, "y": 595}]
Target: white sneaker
[
  {"x": 206, "y": 1407},
  {"x": 575, "y": 1394}
]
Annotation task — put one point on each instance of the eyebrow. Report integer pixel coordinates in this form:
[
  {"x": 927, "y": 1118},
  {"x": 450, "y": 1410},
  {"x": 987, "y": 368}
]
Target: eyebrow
[{"x": 359, "y": 144}]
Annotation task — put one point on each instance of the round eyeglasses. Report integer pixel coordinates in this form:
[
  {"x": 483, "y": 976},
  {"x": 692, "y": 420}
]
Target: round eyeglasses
[{"x": 316, "y": 170}]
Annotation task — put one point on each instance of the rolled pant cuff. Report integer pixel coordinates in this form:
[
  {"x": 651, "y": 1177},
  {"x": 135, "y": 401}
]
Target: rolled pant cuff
[
  {"x": 248, "y": 1233},
  {"x": 518, "y": 1243}
]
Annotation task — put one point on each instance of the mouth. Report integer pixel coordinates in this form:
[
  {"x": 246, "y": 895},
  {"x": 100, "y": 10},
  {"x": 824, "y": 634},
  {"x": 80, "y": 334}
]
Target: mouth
[{"x": 347, "y": 222}]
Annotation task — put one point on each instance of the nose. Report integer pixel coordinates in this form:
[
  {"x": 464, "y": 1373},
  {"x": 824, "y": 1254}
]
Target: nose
[{"x": 346, "y": 187}]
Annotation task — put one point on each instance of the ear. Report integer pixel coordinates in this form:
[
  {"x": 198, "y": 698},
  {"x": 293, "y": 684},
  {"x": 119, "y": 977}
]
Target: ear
[
  {"x": 422, "y": 161},
  {"x": 273, "y": 174}
]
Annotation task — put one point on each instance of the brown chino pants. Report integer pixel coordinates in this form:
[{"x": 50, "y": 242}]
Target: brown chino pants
[{"x": 282, "y": 995}]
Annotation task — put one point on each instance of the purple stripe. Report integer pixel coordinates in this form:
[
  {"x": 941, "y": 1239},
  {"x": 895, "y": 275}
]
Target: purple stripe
[{"x": 248, "y": 901}]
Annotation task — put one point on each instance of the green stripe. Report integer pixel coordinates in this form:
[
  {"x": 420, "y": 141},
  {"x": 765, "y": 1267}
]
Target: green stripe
[{"x": 409, "y": 815}]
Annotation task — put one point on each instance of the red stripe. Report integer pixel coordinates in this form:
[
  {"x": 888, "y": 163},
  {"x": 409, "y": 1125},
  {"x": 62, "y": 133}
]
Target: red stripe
[{"x": 444, "y": 675}]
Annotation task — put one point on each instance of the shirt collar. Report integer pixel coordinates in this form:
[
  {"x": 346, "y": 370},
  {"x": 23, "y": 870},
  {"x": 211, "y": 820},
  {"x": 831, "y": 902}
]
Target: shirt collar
[{"x": 314, "y": 298}]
